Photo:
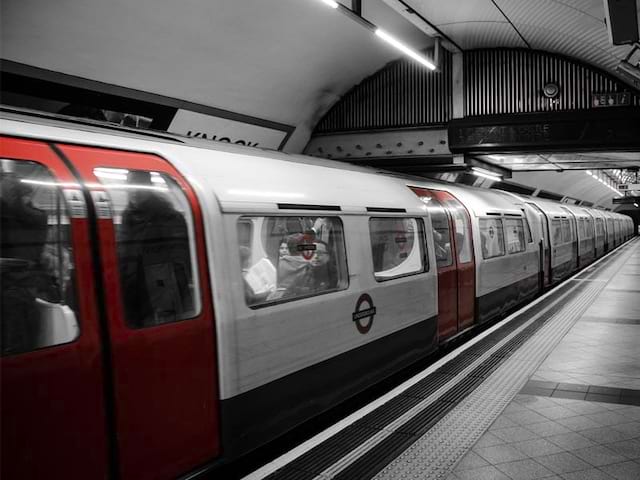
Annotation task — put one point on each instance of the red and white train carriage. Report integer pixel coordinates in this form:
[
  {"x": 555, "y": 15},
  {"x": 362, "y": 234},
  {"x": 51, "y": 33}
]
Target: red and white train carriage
[{"x": 168, "y": 302}]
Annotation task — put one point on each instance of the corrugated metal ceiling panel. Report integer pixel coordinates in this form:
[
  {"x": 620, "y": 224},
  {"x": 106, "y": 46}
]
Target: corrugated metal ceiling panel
[
  {"x": 444, "y": 13},
  {"x": 483, "y": 35},
  {"x": 575, "y": 28}
]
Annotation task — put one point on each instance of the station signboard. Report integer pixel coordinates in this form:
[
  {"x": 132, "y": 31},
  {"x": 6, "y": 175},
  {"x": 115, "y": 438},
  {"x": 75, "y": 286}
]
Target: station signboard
[
  {"x": 625, "y": 200},
  {"x": 261, "y": 134},
  {"x": 613, "y": 99},
  {"x": 624, "y": 187}
]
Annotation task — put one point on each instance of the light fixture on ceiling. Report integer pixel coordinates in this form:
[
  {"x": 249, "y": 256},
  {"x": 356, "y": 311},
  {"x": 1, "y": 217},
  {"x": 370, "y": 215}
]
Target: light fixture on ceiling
[
  {"x": 605, "y": 183},
  {"x": 481, "y": 172},
  {"x": 408, "y": 51},
  {"x": 330, "y": 3},
  {"x": 636, "y": 205},
  {"x": 404, "y": 49}
]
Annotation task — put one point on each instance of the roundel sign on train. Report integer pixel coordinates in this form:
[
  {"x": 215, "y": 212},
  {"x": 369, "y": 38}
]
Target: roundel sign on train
[
  {"x": 308, "y": 248},
  {"x": 364, "y": 313}
]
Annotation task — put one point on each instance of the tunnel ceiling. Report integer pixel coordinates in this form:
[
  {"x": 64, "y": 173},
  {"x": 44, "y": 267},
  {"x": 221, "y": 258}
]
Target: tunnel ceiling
[
  {"x": 285, "y": 61},
  {"x": 289, "y": 61}
]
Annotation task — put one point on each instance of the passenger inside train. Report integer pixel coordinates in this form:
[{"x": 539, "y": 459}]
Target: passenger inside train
[
  {"x": 36, "y": 267},
  {"x": 304, "y": 264},
  {"x": 153, "y": 250}
]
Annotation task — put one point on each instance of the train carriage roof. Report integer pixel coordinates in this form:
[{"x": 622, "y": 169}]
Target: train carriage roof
[{"x": 242, "y": 178}]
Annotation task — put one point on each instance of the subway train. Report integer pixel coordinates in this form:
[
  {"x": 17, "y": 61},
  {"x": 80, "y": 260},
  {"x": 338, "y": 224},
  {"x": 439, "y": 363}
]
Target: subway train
[{"x": 171, "y": 303}]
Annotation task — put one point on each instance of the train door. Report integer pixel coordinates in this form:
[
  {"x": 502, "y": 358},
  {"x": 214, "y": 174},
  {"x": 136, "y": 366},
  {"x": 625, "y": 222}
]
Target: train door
[
  {"x": 545, "y": 247},
  {"x": 446, "y": 264},
  {"x": 454, "y": 255},
  {"x": 53, "y": 421},
  {"x": 575, "y": 240},
  {"x": 464, "y": 259},
  {"x": 158, "y": 309}
]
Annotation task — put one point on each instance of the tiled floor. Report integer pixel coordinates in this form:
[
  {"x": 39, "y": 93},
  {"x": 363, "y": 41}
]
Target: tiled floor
[{"x": 543, "y": 436}]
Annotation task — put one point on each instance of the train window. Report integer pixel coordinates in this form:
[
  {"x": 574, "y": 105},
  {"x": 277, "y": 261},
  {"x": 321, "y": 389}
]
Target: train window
[
  {"x": 397, "y": 247},
  {"x": 556, "y": 231},
  {"x": 463, "y": 235},
  {"x": 581, "y": 228},
  {"x": 527, "y": 231},
  {"x": 38, "y": 306},
  {"x": 441, "y": 233},
  {"x": 514, "y": 230},
  {"x": 492, "y": 237},
  {"x": 291, "y": 257},
  {"x": 566, "y": 230},
  {"x": 155, "y": 243}
]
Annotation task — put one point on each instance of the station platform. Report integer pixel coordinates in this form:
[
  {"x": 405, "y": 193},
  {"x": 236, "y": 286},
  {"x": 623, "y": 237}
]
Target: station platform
[{"x": 552, "y": 391}]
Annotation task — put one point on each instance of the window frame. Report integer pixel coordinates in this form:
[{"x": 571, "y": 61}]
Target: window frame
[
  {"x": 566, "y": 232},
  {"x": 436, "y": 208},
  {"x": 62, "y": 205},
  {"x": 523, "y": 243},
  {"x": 237, "y": 220},
  {"x": 422, "y": 244},
  {"x": 528, "y": 236},
  {"x": 500, "y": 228},
  {"x": 194, "y": 263}
]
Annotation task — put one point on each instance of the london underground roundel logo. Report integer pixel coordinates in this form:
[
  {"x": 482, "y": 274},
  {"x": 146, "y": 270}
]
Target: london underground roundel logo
[{"x": 365, "y": 311}]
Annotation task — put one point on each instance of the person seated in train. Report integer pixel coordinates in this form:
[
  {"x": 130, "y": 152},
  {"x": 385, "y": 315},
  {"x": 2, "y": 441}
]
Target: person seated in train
[
  {"x": 321, "y": 267},
  {"x": 24, "y": 278},
  {"x": 153, "y": 251},
  {"x": 295, "y": 272}
]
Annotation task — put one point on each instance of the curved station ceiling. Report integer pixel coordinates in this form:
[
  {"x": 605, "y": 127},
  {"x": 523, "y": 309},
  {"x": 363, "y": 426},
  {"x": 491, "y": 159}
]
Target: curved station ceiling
[{"x": 289, "y": 62}]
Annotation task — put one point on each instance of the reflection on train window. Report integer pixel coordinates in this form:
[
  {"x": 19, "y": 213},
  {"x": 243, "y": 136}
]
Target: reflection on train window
[
  {"x": 599, "y": 227},
  {"x": 463, "y": 235},
  {"x": 556, "y": 230},
  {"x": 566, "y": 231},
  {"x": 441, "y": 233},
  {"x": 581, "y": 229},
  {"x": 397, "y": 247},
  {"x": 37, "y": 307},
  {"x": 156, "y": 246},
  {"x": 492, "y": 237},
  {"x": 514, "y": 231},
  {"x": 284, "y": 258},
  {"x": 573, "y": 228}
]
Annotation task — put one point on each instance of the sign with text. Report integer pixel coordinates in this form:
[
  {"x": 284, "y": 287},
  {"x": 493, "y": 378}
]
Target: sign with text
[
  {"x": 598, "y": 129},
  {"x": 200, "y": 125},
  {"x": 615, "y": 99},
  {"x": 626, "y": 200},
  {"x": 628, "y": 186}
]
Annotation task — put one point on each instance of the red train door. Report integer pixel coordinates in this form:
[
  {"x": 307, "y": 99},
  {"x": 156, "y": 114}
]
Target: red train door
[
  {"x": 454, "y": 257},
  {"x": 464, "y": 258},
  {"x": 53, "y": 421},
  {"x": 160, "y": 317}
]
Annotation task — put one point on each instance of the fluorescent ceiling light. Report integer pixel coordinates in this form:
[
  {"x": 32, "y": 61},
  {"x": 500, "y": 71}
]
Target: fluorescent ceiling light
[
  {"x": 481, "y": 172},
  {"x": 331, "y": 3},
  {"x": 404, "y": 49},
  {"x": 636, "y": 205}
]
